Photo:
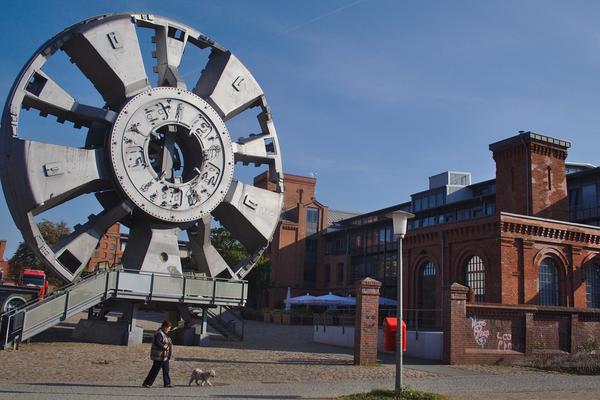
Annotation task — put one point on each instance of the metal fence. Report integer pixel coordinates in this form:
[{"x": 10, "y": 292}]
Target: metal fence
[
  {"x": 415, "y": 319},
  {"x": 41, "y": 313}
]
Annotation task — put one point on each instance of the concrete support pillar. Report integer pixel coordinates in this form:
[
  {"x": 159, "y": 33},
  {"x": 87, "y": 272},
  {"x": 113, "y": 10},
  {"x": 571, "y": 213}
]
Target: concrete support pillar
[
  {"x": 194, "y": 332},
  {"x": 135, "y": 334},
  {"x": 366, "y": 322},
  {"x": 124, "y": 331}
]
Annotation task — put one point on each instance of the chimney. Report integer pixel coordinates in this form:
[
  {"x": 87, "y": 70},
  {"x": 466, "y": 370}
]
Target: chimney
[{"x": 530, "y": 175}]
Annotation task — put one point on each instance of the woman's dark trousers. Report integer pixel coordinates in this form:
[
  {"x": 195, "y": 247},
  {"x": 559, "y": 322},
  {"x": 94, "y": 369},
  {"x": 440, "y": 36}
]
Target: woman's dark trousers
[{"x": 156, "y": 366}]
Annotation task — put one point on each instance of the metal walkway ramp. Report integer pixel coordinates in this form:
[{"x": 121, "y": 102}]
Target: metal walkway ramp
[{"x": 40, "y": 314}]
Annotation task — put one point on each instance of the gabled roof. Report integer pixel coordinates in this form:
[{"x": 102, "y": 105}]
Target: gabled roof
[{"x": 339, "y": 215}]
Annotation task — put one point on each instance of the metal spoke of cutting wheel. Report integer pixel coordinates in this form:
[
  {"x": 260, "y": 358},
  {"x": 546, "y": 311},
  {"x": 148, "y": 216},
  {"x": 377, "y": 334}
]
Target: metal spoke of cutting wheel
[{"x": 159, "y": 159}]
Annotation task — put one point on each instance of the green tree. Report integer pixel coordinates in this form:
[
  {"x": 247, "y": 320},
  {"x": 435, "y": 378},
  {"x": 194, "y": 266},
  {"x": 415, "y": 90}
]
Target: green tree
[
  {"x": 25, "y": 258},
  {"x": 231, "y": 250},
  {"x": 259, "y": 279}
]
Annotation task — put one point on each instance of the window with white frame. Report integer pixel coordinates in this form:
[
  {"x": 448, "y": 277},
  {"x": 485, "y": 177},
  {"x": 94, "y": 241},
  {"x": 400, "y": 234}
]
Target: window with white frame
[
  {"x": 475, "y": 277},
  {"x": 592, "y": 274}
]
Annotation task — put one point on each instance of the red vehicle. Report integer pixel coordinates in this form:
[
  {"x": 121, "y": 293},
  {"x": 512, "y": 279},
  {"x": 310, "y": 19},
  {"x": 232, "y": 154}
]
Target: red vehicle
[
  {"x": 31, "y": 284},
  {"x": 34, "y": 278}
]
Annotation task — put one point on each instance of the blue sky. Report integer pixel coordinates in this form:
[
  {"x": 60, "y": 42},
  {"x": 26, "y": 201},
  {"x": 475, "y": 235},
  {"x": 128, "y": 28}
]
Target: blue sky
[{"x": 374, "y": 96}]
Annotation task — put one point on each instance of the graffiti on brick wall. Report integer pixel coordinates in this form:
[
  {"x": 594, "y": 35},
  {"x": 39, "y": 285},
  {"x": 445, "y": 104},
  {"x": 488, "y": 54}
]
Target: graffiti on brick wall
[
  {"x": 480, "y": 334},
  {"x": 504, "y": 341},
  {"x": 501, "y": 334}
]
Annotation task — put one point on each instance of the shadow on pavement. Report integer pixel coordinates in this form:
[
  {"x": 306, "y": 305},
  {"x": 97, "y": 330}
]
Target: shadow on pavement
[
  {"x": 283, "y": 361},
  {"x": 61, "y": 384}
]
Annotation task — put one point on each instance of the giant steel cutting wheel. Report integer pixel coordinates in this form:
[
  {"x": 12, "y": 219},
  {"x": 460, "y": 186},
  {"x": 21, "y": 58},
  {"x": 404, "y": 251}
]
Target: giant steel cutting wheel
[{"x": 159, "y": 159}]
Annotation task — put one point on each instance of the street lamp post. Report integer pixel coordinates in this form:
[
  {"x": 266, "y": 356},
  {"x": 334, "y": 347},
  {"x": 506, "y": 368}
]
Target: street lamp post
[{"x": 399, "y": 219}]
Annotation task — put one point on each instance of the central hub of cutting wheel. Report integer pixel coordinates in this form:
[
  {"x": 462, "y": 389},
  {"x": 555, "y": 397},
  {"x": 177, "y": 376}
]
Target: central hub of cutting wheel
[{"x": 171, "y": 154}]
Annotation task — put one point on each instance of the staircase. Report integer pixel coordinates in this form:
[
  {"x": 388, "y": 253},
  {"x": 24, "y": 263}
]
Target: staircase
[
  {"x": 40, "y": 314},
  {"x": 226, "y": 320}
]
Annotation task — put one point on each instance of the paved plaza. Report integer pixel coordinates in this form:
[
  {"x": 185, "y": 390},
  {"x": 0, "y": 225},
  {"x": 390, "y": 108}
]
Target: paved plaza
[{"x": 274, "y": 362}]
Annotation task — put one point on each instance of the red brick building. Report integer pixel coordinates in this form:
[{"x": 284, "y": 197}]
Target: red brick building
[
  {"x": 527, "y": 251},
  {"x": 109, "y": 250},
  {"x": 297, "y": 243},
  {"x": 530, "y": 236}
]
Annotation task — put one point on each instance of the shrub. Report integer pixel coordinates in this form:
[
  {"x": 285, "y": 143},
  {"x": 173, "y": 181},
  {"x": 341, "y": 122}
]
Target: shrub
[
  {"x": 588, "y": 347},
  {"x": 578, "y": 363},
  {"x": 407, "y": 393}
]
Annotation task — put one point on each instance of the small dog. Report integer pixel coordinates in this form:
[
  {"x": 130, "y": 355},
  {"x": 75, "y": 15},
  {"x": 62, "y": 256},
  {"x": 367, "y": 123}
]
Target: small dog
[{"x": 203, "y": 376}]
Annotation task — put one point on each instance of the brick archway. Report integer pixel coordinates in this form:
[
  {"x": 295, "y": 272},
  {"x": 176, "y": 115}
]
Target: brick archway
[
  {"x": 459, "y": 270},
  {"x": 416, "y": 300}
]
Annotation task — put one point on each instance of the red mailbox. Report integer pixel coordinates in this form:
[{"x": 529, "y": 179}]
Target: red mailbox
[{"x": 389, "y": 334}]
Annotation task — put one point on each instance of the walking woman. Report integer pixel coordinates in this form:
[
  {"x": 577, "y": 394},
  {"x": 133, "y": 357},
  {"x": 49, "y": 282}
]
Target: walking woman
[{"x": 160, "y": 354}]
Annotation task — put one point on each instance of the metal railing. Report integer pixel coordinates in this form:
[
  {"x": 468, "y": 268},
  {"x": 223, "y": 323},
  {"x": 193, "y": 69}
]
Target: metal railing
[
  {"x": 166, "y": 287},
  {"x": 580, "y": 213},
  {"x": 231, "y": 326},
  {"x": 42, "y": 313},
  {"x": 415, "y": 319}
]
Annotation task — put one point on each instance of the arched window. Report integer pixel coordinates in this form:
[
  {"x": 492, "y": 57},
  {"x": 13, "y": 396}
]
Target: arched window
[
  {"x": 427, "y": 294},
  {"x": 593, "y": 285},
  {"x": 475, "y": 277},
  {"x": 427, "y": 286},
  {"x": 548, "y": 283}
]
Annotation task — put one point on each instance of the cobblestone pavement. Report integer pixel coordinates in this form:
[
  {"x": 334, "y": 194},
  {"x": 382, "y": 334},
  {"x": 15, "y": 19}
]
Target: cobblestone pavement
[
  {"x": 269, "y": 354},
  {"x": 273, "y": 362}
]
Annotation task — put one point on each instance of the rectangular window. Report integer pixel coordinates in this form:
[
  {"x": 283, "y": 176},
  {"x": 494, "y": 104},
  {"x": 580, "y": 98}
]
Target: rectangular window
[
  {"x": 357, "y": 268},
  {"x": 439, "y": 199},
  {"x": 357, "y": 241},
  {"x": 574, "y": 196},
  {"x": 382, "y": 239},
  {"x": 312, "y": 221},
  {"x": 463, "y": 214},
  {"x": 372, "y": 238},
  {"x": 589, "y": 198},
  {"x": 390, "y": 269},
  {"x": 340, "y": 272},
  {"x": 329, "y": 247},
  {"x": 327, "y": 274},
  {"x": 340, "y": 246}
]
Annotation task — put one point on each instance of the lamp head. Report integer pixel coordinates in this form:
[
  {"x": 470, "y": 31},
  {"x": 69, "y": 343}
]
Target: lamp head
[{"x": 400, "y": 219}]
